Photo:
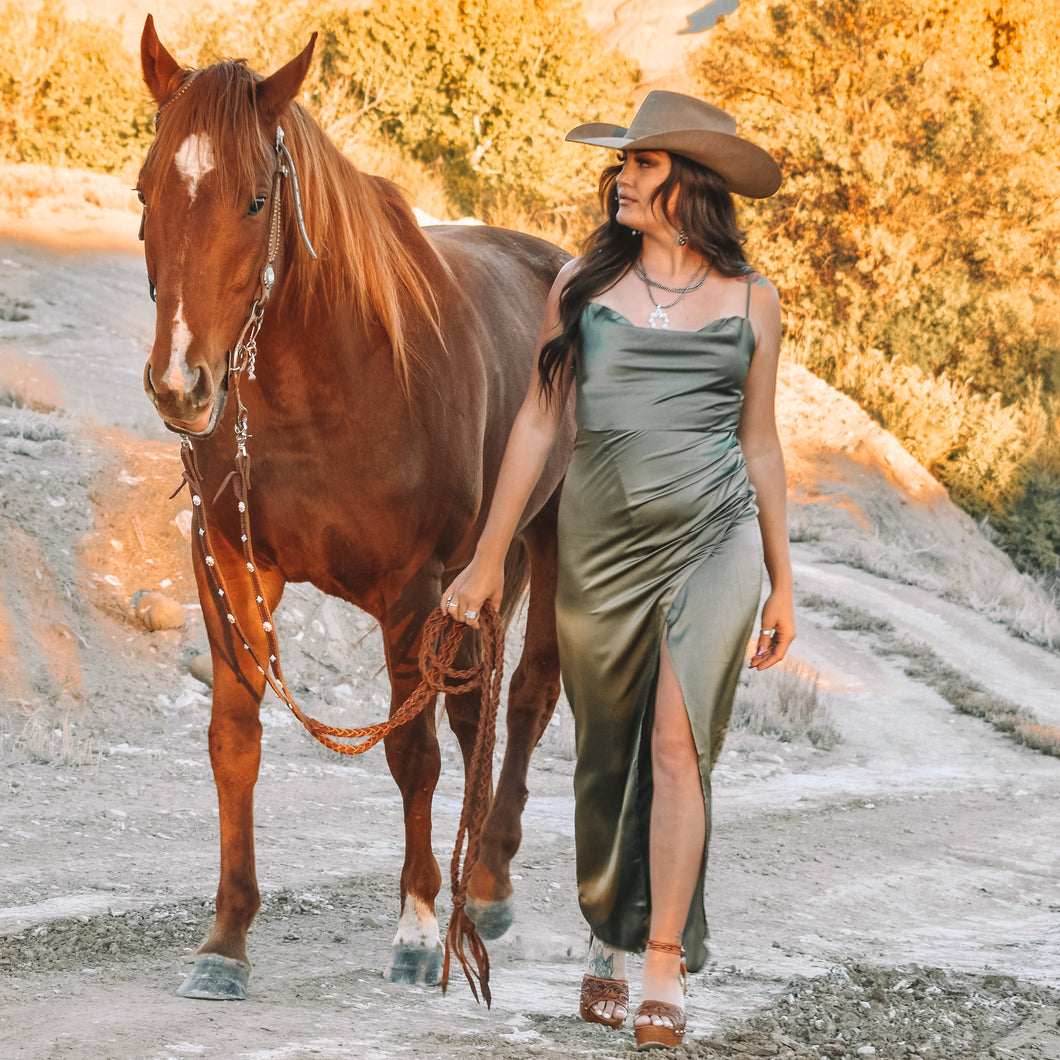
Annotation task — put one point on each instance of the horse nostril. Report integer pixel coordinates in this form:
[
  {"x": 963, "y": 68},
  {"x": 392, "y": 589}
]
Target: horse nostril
[
  {"x": 201, "y": 391},
  {"x": 149, "y": 385}
]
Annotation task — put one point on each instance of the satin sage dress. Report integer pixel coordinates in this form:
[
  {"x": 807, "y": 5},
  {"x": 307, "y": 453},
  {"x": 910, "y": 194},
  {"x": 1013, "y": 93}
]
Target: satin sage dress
[{"x": 658, "y": 538}]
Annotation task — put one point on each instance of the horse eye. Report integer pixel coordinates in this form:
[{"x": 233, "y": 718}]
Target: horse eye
[
  {"x": 140, "y": 196},
  {"x": 151, "y": 290},
  {"x": 256, "y": 205}
]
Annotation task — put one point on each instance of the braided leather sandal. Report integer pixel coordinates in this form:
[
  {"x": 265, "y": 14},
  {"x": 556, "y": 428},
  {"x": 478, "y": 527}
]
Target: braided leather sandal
[
  {"x": 595, "y": 990},
  {"x": 649, "y": 1035}
]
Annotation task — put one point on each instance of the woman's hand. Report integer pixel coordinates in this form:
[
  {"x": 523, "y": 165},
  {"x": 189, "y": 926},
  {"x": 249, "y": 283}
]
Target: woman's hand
[
  {"x": 777, "y": 632},
  {"x": 480, "y": 582}
]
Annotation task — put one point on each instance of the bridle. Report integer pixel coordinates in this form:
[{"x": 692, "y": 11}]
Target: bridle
[{"x": 243, "y": 355}]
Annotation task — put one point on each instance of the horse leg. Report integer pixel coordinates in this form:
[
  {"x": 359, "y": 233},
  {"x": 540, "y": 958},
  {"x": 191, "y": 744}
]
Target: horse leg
[
  {"x": 222, "y": 970},
  {"x": 415, "y": 763},
  {"x": 532, "y": 695}
]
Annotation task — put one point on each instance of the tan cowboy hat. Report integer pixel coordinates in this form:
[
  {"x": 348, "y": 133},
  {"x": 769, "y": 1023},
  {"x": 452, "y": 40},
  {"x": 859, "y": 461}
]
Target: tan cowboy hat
[{"x": 670, "y": 121}]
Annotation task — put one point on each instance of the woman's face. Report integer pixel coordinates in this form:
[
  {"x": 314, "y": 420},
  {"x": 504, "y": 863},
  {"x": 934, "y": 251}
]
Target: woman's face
[{"x": 642, "y": 172}]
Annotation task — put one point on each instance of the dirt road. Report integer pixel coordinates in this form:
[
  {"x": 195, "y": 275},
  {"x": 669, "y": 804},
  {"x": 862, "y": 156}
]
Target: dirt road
[{"x": 893, "y": 897}]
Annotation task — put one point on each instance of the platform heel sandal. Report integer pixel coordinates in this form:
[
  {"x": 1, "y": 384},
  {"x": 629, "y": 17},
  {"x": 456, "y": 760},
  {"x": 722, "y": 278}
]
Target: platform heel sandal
[
  {"x": 594, "y": 990},
  {"x": 650, "y": 1036}
]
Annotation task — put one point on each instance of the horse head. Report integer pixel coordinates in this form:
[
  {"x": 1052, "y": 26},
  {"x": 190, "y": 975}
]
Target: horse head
[{"x": 211, "y": 190}]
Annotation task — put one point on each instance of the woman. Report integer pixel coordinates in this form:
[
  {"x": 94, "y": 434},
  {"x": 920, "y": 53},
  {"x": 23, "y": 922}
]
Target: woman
[{"x": 671, "y": 342}]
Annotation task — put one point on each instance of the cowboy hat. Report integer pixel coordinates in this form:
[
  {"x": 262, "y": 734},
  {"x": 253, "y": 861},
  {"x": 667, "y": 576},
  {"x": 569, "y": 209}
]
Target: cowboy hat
[{"x": 670, "y": 121}]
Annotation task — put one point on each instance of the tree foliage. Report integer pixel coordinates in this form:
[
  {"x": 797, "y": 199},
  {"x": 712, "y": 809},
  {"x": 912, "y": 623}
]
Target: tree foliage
[
  {"x": 69, "y": 93},
  {"x": 475, "y": 94},
  {"x": 916, "y": 237},
  {"x": 487, "y": 87}
]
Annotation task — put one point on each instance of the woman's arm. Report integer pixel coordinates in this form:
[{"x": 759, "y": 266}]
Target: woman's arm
[
  {"x": 765, "y": 468},
  {"x": 532, "y": 436}
]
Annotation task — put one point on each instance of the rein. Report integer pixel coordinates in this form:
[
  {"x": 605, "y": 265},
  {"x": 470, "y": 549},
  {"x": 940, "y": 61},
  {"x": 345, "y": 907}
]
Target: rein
[
  {"x": 442, "y": 635},
  {"x": 436, "y": 662}
]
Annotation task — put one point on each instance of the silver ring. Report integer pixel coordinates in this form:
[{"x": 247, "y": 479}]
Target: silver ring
[
  {"x": 449, "y": 602},
  {"x": 470, "y": 614},
  {"x": 766, "y": 632}
]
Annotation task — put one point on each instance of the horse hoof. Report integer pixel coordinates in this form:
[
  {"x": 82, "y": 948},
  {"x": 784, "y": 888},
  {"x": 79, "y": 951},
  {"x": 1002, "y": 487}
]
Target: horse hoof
[
  {"x": 217, "y": 978},
  {"x": 415, "y": 964},
  {"x": 491, "y": 919}
]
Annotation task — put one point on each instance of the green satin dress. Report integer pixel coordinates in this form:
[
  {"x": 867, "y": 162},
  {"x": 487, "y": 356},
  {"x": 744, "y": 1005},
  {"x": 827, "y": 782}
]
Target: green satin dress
[{"x": 657, "y": 538}]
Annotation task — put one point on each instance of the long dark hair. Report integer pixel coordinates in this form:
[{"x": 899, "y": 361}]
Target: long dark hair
[{"x": 703, "y": 211}]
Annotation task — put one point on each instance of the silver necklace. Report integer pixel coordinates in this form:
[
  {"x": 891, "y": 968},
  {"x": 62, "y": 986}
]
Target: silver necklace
[{"x": 659, "y": 318}]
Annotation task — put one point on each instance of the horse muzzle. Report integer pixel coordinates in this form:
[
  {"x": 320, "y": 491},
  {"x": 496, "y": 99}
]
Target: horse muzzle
[{"x": 195, "y": 410}]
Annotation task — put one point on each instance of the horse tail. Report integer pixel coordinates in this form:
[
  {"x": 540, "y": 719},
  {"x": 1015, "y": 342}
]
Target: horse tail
[{"x": 516, "y": 579}]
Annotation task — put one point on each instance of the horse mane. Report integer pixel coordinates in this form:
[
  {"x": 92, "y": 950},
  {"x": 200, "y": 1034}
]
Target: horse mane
[{"x": 363, "y": 230}]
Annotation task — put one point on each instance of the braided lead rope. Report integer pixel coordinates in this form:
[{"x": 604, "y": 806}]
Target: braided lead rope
[
  {"x": 442, "y": 636},
  {"x": 478, "y": 795}
]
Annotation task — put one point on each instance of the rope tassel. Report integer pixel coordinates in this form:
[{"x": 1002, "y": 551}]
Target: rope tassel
[
  {"x": 462, "y": 927},
  {"x": 478, "y": 795}
]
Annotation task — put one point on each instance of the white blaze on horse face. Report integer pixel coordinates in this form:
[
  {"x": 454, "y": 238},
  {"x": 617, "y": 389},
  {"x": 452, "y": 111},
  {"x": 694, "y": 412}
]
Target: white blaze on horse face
[
  {"x": 177, "y": 377},
  {"x": 194, "y": 160}
]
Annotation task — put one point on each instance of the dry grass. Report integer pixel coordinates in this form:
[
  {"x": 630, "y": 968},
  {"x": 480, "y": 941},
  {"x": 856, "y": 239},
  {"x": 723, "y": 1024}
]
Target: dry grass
[
  {"x": 19, "y": 423},
  {"x": 785, "y": 703},
  {"x": 26, "y": 186},
  {"x": 1021, "y": 603},
  {"x": 1044, "y": 738},
  {"x": 848, "y": 618},
  {"x": 42, "y": 743},
  {"x": 922, "y": 664}
]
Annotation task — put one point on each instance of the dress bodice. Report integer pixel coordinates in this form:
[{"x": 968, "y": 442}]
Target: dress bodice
[{"x": 638, "y": 378}]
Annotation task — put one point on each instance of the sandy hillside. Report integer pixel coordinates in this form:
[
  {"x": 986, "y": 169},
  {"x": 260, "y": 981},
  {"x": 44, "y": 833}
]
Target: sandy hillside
[{"x": 892, "y": 894}]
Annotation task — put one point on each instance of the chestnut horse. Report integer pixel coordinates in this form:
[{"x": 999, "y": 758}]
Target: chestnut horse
[{"x": 375, "y": 404}]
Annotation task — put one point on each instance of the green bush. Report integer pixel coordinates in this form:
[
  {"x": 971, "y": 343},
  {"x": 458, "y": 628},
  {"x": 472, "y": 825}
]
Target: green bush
[
  {"x": 486, "y": 88},
  {"x": 70, "y": 93},
  {"x": 1029, "y": 528},
  {"x": 466, "y": 102}
]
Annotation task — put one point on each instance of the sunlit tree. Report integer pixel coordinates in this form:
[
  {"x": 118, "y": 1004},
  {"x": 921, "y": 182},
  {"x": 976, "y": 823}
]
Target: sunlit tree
[
  {"x": 488, "y": 88},
  {"x": 69, "y": 93},
  {"x": 915, "y": 237}
]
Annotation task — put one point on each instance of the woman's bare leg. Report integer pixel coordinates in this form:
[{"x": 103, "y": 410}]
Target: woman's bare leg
[
  {"x": 606, "y": 963},
  {"x": 678, "y": 832}
]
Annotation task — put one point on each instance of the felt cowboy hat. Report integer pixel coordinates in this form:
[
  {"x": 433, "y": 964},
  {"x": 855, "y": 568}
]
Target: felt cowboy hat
[{"x": 670, "y": 121}]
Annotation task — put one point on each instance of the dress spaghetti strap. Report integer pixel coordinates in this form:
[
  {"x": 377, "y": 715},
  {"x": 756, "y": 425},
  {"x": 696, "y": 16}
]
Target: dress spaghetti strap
[{"x": 747, "y": 306}]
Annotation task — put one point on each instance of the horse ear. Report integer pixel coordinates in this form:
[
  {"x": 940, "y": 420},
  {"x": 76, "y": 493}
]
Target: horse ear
[
  {"x": 160, "y": 69},
  {"x": 277, "y": 91}
]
